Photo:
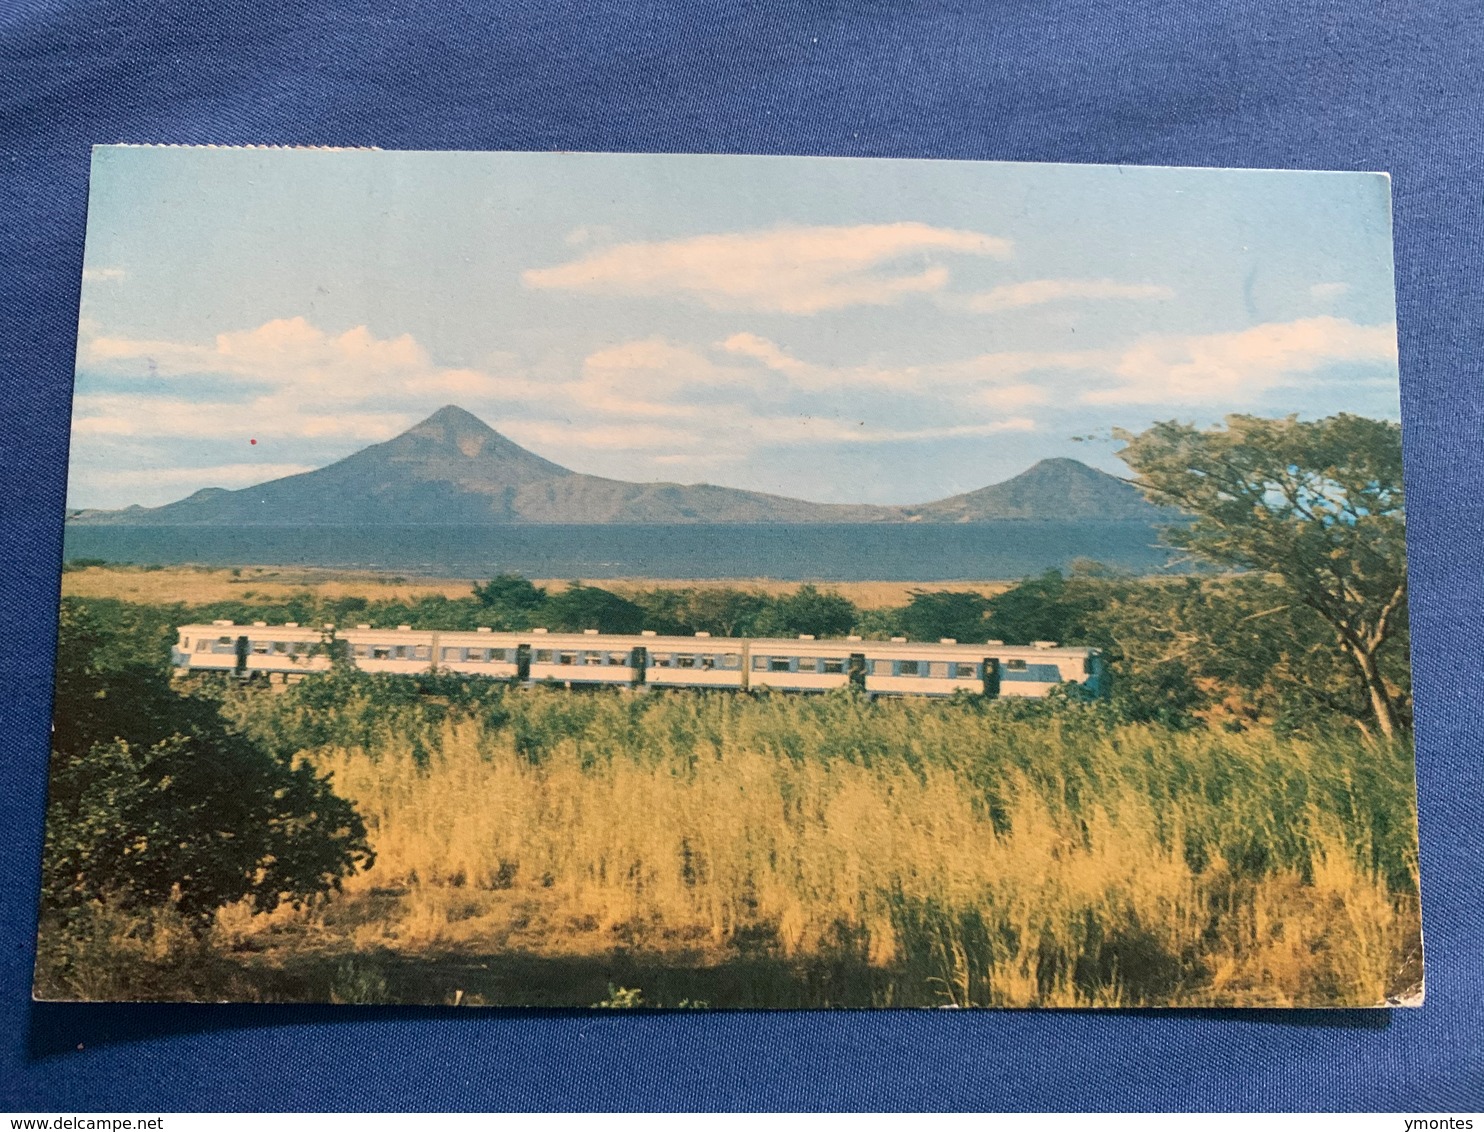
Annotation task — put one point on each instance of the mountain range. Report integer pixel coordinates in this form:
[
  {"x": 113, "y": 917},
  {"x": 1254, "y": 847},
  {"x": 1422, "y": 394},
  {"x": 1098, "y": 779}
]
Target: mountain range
[{"x": 453, "y": 469}]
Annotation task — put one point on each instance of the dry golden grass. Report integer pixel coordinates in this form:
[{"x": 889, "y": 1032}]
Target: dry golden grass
[
  {"x": 203, "y": 585},
  {"x": 964, "y": 860},
  {"x": 194, "y": 585}
]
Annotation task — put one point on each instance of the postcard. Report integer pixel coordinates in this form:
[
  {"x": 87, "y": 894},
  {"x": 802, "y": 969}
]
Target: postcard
[{"x": 680, "y": 582}]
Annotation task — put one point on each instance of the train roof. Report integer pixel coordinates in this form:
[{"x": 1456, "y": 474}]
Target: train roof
[{"x": 699, "y": 642}]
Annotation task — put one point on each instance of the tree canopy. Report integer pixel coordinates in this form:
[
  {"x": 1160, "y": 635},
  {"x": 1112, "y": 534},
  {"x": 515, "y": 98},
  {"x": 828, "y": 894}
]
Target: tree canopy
[
  {"x": 155, "y": 799},
  {"x": 1319, "y": 504}
]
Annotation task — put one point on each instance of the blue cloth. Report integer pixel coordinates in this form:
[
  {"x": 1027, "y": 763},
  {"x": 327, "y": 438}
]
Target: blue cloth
[{"x": 1281, "y": 83}]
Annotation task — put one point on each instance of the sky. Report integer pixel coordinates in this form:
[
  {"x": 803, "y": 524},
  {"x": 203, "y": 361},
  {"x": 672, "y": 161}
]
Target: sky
[{"x": 834, "y": 329}]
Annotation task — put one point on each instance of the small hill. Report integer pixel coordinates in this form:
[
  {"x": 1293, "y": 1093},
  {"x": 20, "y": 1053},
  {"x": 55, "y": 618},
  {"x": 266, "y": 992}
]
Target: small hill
[{"x": 1052, "y": 489}]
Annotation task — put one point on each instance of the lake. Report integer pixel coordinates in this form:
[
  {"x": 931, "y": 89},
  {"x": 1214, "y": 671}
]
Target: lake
[{"x": 823, "y": 552}]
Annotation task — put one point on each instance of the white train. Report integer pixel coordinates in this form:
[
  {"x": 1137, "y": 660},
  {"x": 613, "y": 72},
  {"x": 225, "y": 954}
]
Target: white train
[{"x": 802, "y": 664}]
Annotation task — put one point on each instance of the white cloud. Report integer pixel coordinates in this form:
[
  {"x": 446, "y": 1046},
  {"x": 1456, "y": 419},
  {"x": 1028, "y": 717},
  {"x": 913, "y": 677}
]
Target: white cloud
[
  {"x": 127, "y": 415},
  {"x": 824, "y": 430},
  {"x": 290, "y": 377},
  {"x": 1233, "y": 368},
  {"x": 647, "y": 377},
  {"x": 282, "y": 352},
  {"x": 1037, "y": 291},
  {"x": 103, "y": 274},
  {"x": 644, "y": 408},
  {"x": 791, "y": 270},
  {"x": 1325, "y": 292},
  {"x": 172, "y": 480},
  {"x": 981, "y": 376}
]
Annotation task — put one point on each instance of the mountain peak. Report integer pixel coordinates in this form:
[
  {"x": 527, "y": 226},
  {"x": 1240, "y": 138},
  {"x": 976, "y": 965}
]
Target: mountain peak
[
  {"x": 456, "y": 436},
  {"x": 1058, "y": 487},
  {"x": 452, "y": 423}
]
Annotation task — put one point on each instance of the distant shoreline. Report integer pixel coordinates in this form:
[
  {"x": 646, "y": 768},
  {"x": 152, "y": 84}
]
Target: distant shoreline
[{"x": 203, "y": 584}]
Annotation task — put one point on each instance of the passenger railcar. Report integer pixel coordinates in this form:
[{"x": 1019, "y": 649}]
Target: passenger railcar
[{"x": 898, "y": 667}]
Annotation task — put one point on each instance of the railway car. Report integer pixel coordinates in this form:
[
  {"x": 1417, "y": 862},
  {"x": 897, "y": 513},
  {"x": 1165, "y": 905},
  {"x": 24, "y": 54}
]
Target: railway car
[
  {"x": 898, "y": 667},
  {"x": 224, "y": 646},
  {"x": 701, "y": 661}
]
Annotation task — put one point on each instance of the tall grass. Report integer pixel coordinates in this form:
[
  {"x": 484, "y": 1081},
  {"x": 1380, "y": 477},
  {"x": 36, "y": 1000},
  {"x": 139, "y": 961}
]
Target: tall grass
[{"x": 938, "y": 853}]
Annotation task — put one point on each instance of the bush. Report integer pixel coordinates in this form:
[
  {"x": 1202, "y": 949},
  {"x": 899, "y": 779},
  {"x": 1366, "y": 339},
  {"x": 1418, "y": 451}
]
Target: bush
[{"x": 155, "y": 800}]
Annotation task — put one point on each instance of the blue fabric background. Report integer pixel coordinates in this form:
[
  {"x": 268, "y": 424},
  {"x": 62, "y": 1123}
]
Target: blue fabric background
[{"x": 1390, "y": 84}]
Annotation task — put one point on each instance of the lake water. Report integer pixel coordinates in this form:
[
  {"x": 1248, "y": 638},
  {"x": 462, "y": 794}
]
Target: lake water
[{"x": 824, "y": 552}]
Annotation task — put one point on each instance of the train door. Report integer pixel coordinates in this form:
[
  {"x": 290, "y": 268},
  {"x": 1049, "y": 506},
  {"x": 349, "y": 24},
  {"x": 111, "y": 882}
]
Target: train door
[
  {"x": 523, "y": 662},
  {"x": 991, "y": 677},
  {"x": 639, "y": 662},
  {"x": 241, "y": 655},
  {"x": 858, "y": 671}
]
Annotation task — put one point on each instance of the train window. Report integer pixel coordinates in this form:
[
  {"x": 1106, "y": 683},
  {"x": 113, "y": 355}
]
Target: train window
[
  {"x": 281, "y": 648},
  {"x": 224, "y": 640},
  {"x": 731, "y": 660},
  {"x": 422, "y": 652},
  {"x": 452, "y": 654},
  {"x": 965, "y": 671},
  {"x": 185, "y": 642},
  {"x": 808, "y": 664},
  {"x": 381, "y": 652},
  {"x": 832, "y": 664},
  {"x": 778, "y": 664},
  {"x": 202, "y": 644},
  {"x": 685, "y": 661},
  {"x": 938, "y": 669},
  {"x": 567, "y": 658},
  {"x": 1015, "y": 665},
  {"x": 760, "y": 663},
  {"x": 661, "y": 659},
  {"x": 590, "y": 657},
  {"x": 261, "y": 647},
  {"x": 907, "y": 668},
  {"x": 618, "y": 658},
  {"x": 708, "y": 662},
  {"x": 881, "y": 667},
  {"x": 543, "y": 656}
]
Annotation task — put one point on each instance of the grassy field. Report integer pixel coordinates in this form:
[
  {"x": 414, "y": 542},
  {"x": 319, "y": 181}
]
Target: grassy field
[
  {"x": 199, "y": 585},
  {"x": 557, "y": 848}
]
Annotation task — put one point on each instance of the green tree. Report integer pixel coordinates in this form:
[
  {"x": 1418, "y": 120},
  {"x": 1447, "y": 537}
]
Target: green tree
[
  {"x": 1051, "y": 607},
  {"x": 513, "y": 600},
  {"x": 1319, "y": 504},
  {"x": 726, "y": 612},
  {"x": 154, "y": 799},
  {"x": 944, "y": 613},
  {"x": 589, "y": 607},
  {"x": 808, "y": 610}
]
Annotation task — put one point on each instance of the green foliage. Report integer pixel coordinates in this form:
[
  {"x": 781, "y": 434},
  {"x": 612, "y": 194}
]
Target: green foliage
[
  {"x": 511, "y": 598},
  {"x": 808, "y": 610},
  {"x": 1048, "y": 608},
  {"x": 581, "y": 607},
  {"x": 621, "y": 998},
  {"x": 721, "y": 611},
  {"x": 933, "y": 616},
  {"x": 1319, "y": 504},
  {"x": 154, "y": 799}
]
